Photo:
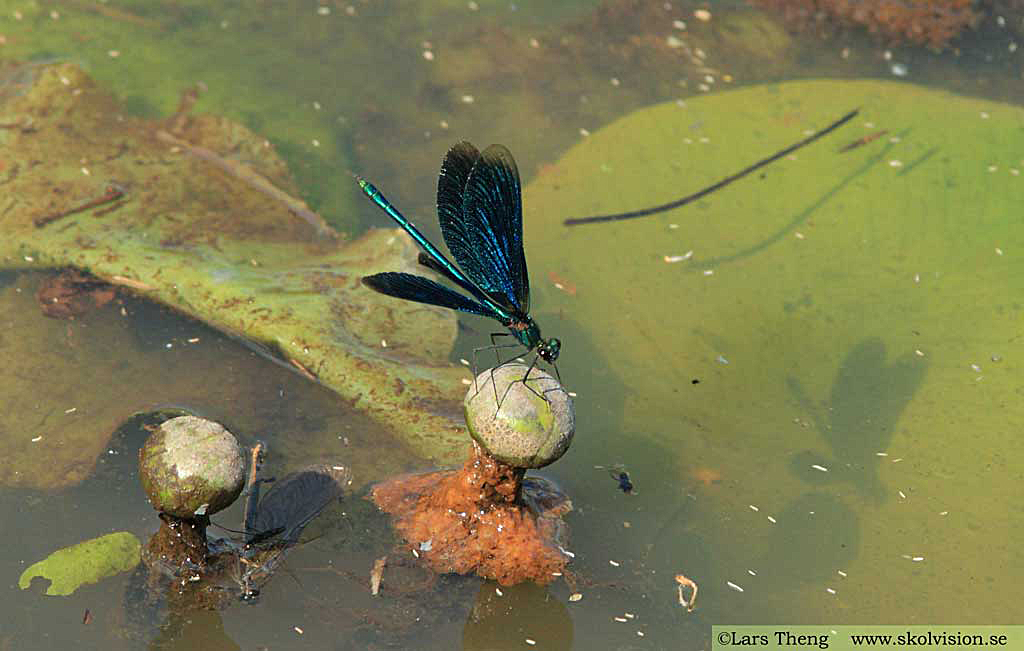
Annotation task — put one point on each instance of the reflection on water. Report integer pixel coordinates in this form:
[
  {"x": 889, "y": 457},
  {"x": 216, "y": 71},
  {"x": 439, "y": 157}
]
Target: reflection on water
[
  {"x": 867, "y": 399},
  {"x": 894, "y": 333}
]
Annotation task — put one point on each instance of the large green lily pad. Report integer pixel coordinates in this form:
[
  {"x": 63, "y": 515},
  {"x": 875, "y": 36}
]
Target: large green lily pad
[
  {"x": 90, "y": 561},
  {"x": 204, "y": 240},
  {"x": 821, "y": 245},
  {"x": 857, "y": 304}
]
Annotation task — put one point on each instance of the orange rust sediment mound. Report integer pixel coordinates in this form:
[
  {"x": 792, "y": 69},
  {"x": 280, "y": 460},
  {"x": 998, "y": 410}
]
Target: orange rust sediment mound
[{"x": 472, "y": 520}]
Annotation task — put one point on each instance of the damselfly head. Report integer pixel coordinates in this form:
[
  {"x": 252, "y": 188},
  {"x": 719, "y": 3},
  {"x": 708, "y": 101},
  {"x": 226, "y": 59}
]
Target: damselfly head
[{"x": 548, "y": 350}]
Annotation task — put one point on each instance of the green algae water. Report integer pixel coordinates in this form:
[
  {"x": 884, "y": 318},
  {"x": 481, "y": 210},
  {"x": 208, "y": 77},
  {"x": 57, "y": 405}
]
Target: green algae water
[{"x": 811, "y": 376}]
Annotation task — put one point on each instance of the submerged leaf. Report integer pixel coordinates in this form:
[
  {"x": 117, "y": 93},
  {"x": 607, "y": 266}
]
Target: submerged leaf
[{"x": 87, "y": 562}]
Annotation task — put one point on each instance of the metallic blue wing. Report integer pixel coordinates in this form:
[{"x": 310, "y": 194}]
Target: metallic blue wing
[
  {"x": 424, "y": 290},
  {"x": 490, "y": 237},
  {"x": 451, "y": 186}
]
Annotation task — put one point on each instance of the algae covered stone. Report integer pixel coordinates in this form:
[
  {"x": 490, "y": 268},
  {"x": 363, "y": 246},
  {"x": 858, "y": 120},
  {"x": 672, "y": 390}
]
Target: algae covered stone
[
  {"x": 535, "y": 423},
  {"x": 87, "y": 562},
  {"x": 191, "y": 466}
]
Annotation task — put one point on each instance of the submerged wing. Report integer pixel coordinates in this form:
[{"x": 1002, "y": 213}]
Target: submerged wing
[
  {"x": 491, "y": 242},
  {"x": 424, "y": 290}
]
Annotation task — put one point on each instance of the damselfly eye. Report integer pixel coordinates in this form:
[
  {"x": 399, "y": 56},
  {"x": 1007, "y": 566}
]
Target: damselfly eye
[{"x": 549, "y": 350}]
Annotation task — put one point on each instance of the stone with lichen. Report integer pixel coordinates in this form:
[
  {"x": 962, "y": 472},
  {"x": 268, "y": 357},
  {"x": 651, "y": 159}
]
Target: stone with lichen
[
  {"x": 535, "y": 422},
  {"x": 191, "y": 466}
]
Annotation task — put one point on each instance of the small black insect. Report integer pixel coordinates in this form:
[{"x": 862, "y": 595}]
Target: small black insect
[{"x": 624, "y": 484}]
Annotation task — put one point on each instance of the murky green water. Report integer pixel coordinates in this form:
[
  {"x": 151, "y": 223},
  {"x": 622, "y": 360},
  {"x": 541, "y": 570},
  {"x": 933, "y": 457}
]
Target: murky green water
[{"x": 821, "y": 430}]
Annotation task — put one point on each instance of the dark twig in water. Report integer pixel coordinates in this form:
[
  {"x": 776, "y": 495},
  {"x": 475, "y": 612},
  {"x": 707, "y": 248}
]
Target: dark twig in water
[
  {"x": 863, "y": 141},
  {"x": 576, "y": 221},
  {"x": 113, "y": 193}
]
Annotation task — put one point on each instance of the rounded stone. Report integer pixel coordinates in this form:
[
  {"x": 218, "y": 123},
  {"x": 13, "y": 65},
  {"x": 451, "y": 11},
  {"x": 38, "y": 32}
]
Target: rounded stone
[
  {"x": 191, "y": 466},
  {"x": 535, "y": 423}
]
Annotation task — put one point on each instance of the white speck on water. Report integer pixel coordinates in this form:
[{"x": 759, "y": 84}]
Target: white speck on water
[
  {"x": 887, "y": 55},
  {"x": 799, "y": 235},
  {"x": 498, "y": 592},
  {"x": 85, "y": 170},
  {"x": 999, "y": 251},
  {"x": 531, "y": 642},
  {"x": 821, "y": 468},
  {"x": 37, "y": 439},
  {"x": 771, "y": 519},
  {"x": 754, "y": 508},
  {"x": 620, "y": 619},
  {"x": 323, "y": 11},
  {"x": 903, "y": 495},
  {"x": 468, "y": 99},
  {"x": 993, "y": 168},
  {"x": 722, "y": 360},
  {"x": 678, "y": 24},
  {"x": 734, "y": 586},
  {"x": 673, "y": 41},
  {"x": 702, "y": 15},
  {"x": 895, "y": 163},
  {"x": 917, "y": 559},
  {"x": 709, "y": 272},
  {"x": 984, "y": 115},
  {"x": 919, "y": 352},
  {"x": 881, "y": 454},
  {"x": 751, "y": 572},
  {"x": 613, "y": 563},
  {"x": 830, "y": 590},
  {"x": 841, "y": 573},
  {"x": 899, "y": 69},
  {"x": 428, "y": 55},
  {"x": 584, "y": 132}
]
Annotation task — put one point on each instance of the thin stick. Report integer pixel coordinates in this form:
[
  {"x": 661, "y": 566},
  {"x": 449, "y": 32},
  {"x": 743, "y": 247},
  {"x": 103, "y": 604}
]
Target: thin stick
[
  {"x": 113, "y": 193},
  {"x": 248, "y": 176},
  {"x": 576, "y": 221},
  {"x": 252, "y": 494}
]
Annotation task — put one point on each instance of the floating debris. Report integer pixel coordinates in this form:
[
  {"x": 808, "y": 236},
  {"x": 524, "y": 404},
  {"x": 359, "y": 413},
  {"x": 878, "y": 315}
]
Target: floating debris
[
  {"x": 682, "y": 582},
  {"x": 376, "y": 574},
  {"x": 734, "y": 586},
  {"x": 821, "y": 468},
  {"x": 574, "y": 597}
]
